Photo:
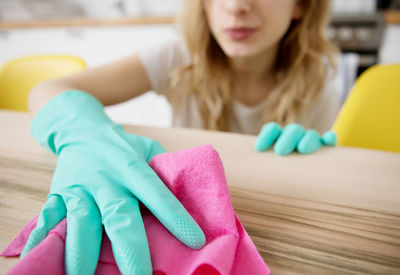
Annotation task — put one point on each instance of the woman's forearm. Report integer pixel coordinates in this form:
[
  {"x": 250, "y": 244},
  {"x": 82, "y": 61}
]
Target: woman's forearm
[
  {"x": 110, "y": 83},
  {"x": 44, "y": 92}
]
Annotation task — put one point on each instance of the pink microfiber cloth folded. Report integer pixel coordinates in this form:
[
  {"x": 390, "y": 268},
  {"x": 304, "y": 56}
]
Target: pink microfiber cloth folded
[{"x": 196, "y": 177}]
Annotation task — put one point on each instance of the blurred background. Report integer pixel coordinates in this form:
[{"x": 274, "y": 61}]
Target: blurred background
[{"x": 99, "y": 31}]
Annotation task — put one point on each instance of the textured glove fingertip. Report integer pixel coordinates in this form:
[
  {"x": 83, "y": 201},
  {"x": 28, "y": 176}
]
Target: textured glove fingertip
[
  {"x": 310, "y": 143},
  {"x": 267, "y": 136},
  {"x": 36, "y": 236},
  {"x": 132, "y": 259},
  {"x": 288, "y": 140},
  {"x": 329, "y": 138},
  {"x": 282, "y": 150},
  {"x": 190, "y": 233},
  {"x": 52, "y": 213}
]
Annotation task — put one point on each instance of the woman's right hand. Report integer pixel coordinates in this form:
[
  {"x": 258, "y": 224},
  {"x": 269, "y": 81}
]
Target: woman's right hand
[{"x": 101, "y": 175}]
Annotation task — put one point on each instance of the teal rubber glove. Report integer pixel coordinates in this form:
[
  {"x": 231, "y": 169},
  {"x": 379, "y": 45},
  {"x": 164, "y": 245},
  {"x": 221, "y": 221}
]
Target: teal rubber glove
[
  {"x": 292, "y": 137},
  {"x": 101, "y": 175}
]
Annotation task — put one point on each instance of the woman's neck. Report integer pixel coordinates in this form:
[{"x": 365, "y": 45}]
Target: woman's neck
[{"x": 253, "y": 77}]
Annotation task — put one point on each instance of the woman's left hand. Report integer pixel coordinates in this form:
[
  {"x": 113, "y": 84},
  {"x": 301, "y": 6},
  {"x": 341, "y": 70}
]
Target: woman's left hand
[{"x": 292, "y": 137}]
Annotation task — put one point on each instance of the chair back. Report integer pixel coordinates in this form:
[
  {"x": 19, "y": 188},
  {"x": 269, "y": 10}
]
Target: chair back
[
  {"x": 370, "y": 116},
  {"x": 19, "y": 76}
]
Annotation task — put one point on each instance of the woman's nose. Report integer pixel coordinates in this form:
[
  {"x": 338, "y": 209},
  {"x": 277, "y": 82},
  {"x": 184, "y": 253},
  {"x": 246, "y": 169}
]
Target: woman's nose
[{"x": 238, "y": 7}]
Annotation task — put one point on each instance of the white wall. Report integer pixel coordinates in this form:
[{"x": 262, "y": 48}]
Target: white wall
[
  {"x": 390, "y": 49},
  {"x": 25, "y": 10}
]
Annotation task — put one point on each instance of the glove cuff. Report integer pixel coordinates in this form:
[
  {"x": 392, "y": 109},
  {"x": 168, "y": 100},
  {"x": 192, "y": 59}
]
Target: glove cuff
[{"x": 68, "y": 111}]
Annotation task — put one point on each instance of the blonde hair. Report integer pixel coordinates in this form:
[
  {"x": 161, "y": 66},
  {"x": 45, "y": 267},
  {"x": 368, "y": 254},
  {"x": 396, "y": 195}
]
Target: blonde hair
[{"x": 300, "y": 70}]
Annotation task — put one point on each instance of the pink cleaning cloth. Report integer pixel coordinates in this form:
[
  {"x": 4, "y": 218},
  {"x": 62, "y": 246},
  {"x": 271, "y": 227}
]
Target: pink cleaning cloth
[{"x": 196, "y": 177}]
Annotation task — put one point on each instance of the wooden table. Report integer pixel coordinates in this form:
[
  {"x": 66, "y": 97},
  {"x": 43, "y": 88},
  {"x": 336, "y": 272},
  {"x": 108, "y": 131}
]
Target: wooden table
[{"x": 335, "y": 211}]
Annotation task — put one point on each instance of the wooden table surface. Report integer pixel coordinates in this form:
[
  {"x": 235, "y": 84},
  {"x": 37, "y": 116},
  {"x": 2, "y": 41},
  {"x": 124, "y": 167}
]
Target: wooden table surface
[{"x": 335, "y": 211}]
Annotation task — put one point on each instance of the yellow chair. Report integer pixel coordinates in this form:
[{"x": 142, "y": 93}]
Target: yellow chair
[
  {"x": 19, "y": 76},
  {"x": 370, "y": 117}
]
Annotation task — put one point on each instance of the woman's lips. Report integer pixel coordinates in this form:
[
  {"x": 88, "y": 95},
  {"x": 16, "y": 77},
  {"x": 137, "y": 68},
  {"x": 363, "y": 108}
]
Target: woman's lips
[{"x": 240, "y": 33}]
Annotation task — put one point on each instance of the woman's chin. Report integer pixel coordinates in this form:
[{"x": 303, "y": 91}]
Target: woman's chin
[
  {"x": 239, "y": 50},
  {"x": 239, "y": 53}
]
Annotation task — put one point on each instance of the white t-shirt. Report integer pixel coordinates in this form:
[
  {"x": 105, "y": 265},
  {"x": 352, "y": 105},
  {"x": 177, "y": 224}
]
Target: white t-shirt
[{"x": 161, "y": 59}]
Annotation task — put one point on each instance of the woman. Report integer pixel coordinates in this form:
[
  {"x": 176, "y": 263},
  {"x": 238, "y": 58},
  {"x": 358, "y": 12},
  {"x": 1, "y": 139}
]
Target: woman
[{"x": 243, "y": 63}]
